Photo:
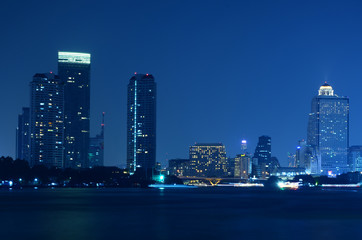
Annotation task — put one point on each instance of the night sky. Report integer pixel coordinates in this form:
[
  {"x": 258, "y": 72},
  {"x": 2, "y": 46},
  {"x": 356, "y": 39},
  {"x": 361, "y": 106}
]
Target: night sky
[{"x": 224, "y": 69}]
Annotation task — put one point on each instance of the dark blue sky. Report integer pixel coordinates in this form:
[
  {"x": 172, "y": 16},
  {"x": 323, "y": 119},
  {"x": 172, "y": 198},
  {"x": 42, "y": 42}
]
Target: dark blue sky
[{"x": 224, "y": 69}]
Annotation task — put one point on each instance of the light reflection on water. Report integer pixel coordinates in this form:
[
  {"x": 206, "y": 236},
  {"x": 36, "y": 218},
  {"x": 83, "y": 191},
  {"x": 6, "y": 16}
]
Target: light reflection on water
[{"x": 205, "y": 213}]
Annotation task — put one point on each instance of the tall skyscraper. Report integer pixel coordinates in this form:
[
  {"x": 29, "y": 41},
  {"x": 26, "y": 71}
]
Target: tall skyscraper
[
  {"x": 328, "y": 131},
  {"x": 208, "y": 160},
  {"x": 23, "y": 135},
  {"x": 74, "y": 70},
  {"x": 263, "y": 150},
  {"x": 46, "y": 120},
  {"x": 262, "y": 156},
  {"x": 96, "y": 148},
  {"x": 141, "y": 122}
]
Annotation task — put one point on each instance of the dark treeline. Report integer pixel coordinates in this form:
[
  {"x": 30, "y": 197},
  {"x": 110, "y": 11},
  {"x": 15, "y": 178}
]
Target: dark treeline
[
  {"x": 21, "y": 174},
  {"x": 346, "y": 178}
]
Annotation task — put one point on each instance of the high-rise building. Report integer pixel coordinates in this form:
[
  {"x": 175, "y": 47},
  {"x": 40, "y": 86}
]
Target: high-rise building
[
  {"x": 46, "y": 120},
  {"x": 208, "y": 160},
  {"x": 355, "y": 158},
  {"x": 244, "y": 146},
  {"x": 74, "y": 70},
  {"x": 23, "y": 135},
  {"x": 141, "y": 123},
  {"x": 328, "y": 131},
  {"x": 96, "y": 148},
  {"x": 243, "y": 166},
  {"x": 263, "y": 150},
  {"x": 263, "y": 156}
]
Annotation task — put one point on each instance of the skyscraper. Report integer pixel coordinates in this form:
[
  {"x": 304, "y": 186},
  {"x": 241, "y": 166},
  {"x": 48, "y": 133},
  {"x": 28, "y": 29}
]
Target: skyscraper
[
  {"x": 263, "y": 156},
  {"x": 243, "y": 166},
  {"x": 263, "y": 150},
  {"x": 328, "y": 131},
  {"x": 141, "y": 122},
  {"x": 23, "y": 135},
  {"x": 244, "y": 146},
  {"x": 96, "y": 148},
  {"x": 74, "y": 70},
  {"x": 46, "y": 120}
]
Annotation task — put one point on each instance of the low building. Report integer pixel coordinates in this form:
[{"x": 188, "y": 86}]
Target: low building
[{"x": 178, "y": 167}]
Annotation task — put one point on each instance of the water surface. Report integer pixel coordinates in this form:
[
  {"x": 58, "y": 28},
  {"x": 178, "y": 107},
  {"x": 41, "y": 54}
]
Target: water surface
[{"x": 203, "y": 213}]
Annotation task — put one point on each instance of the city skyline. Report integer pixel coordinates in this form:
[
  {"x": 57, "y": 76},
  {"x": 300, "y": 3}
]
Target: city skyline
[{"x": 248, "y": 89}]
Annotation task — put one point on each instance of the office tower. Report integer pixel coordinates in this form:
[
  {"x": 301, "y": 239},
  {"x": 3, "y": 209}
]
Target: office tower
[
  {"x": 208, "y": 160},
  {"x": 355, "y": 158},
  {"x": 46, "y": 120},
  {"x": 96, "y": 148},
  {"x": 243, "y": 166},
  {"x": 74, "y": 70},
  {"x": 23, "y": 135},
  {"x": 141, "y": 123},
  {"x": 328, "y": 131},
  {"x": 263, "y": 155},
  {"x": 244, "y": 146},
  {"x": 263, "y": 150}
]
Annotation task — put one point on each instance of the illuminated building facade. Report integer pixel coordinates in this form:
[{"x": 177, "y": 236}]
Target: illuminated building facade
[
  {"x": 96, "y": 148},
  {"x": 47, "y": 120},
  {"x": 355, "y": 158},
  {"x": 141, "y": 123},
  {"x": 23, "y": 135},
  {"x": 244, "y": 146},
  {"x": 328, "y": 131},
  {"x": 243, "y": 166},
  {"x": 74, "y": 70},
  {"x": 208, "y": 160}
]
